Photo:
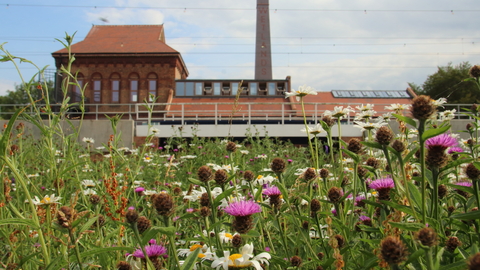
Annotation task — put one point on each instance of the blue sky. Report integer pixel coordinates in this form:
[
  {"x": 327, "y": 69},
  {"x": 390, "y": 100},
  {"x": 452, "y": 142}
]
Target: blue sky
[{"x": 326, "y": 44}]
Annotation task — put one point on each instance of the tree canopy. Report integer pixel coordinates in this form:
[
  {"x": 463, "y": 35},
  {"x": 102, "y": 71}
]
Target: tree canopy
[{"x": 449, "y": 82}]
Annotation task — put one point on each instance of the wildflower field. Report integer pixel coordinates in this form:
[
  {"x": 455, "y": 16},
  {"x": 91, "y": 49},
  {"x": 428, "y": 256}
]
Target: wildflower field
[{"x": 401, "y": 201}]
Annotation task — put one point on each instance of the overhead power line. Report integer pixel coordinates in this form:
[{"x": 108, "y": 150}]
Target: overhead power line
[{"x": 246, "y": 9}]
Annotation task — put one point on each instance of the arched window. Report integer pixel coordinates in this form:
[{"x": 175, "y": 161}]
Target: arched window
[
  {"x": 76, "y": 92},
  {"x": 115, "y": 83},
  {"x": 152, "y": 86},
  {"x": 133, "y": 78},
  {"x": 97, "y": 87}
]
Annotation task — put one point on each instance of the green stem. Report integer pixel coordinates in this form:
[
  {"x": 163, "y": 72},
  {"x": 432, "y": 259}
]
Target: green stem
[
  {"x": 430, "y": 265},
  {"x": 174, "y": 251},
  {"x": 421, "y": 129},
  {"x": 139, "y": 241},
  {"x": 312, "y": 153},
  {"x": 435, "y": 173},
  {"x": 77, "y": 251},
  {"x": 280, "y": 228}
]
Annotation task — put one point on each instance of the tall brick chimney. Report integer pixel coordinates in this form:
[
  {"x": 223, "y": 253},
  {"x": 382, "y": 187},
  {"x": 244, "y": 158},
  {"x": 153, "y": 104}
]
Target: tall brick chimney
[{"x": 263, "y": 52}]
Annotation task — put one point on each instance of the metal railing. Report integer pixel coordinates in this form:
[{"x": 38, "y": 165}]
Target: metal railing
[{"x": 217, "y": 113}]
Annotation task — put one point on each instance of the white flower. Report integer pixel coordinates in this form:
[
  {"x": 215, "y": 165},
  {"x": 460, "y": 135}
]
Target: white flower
[
  {"x": 365, "y": 115},
  {"x": 46, "y": 200},
  {"x": 339, "y": 111},
  {"x": 368, "y": 107},
  {"x": 33, "y": 175},
  {"x": 89, "y": 191},
  {"x": 317, "y": 129},
  {"x": 125, "y": 149},
  {"x": 147, "y": 159},
  {"x": 398, "y": 107},
  {"x": 369, "y": 125},
  {"x": 262, "y": 180},
  {"x": 205, "y": 253},
  {"x": 100, "y": 148},
  {"x": 88, "y": 183},
  {"x": 262, "y": 156},
  {"x": 446, "y": 115},
  {"x": 244, "y": 152},
  {"x": 439, "y": 102},
  {"x": 301, "y": 92},
  {"x": 88, "y": 140},
  {"x": 243, "y": 260},
  {"x": 188, "y": 157},
  {"x": 154, "y": 131},
  {"x": 225, "y": 237}
]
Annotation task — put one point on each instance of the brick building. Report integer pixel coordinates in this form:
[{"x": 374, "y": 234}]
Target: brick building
[{"x": 123, "y": 64}]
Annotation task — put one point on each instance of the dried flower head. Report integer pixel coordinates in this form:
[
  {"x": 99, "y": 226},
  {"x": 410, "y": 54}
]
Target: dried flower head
[
  {"x": 423, "y": 107},
  {"x": 340, "y": 241},
  {"x": 66, "y": 216},
  {"x": 361, "y": 171},
  {"x": 314, "y": 205},
  {"x": 355, "y": 146},
  {"x": 327, "y": 119},
  {"x": 452, "y": 243},
  {"x": 474, "y": 262},
  {"x": 472, "y": 172},
  {"x": 335, "y": 194},
  {"x": 95, "y": 199},
  {"x": 163, "y": 203},
  {"x": 393, "y": 250},
  {"x": 231, "y": 147},
  {"x": 242, "y": 212},
  {"x": 220, "y": 177},
  {"x": 205, "y": 211},
  {"x": 442, "y": 191},
  {"x": 384, "y": 135},
  {"x": 474, "y": 71},
  {"x": 204, "y": 173},
  {"x": 143, "y": 224},
  {"x": 278, "y": 165},
  {"x": 205, "y": 199},
  {"x": 122, "y": 265},
  {"x": 398, "y": 146},
  {"x": 237, "y": 240},
  {"x": 296, "y": 261},
  {"x": 324, "y": 173},
  {"x": 309, "y": 174},
  {"x": 427, "y": 236},
  {"x": 373, "y": 162},
  {"x": 131, "y": 216},
  {"x": 249, "y": 176}
]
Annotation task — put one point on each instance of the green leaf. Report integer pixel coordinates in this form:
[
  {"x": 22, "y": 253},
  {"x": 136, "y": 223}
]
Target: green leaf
[
  {"x": 352, "y": 155},
  {"x": 439, "y": 258},
  {"x": 375, "y": 145},
  {"x": 408, "y": 226},
  {"x": 191, "y": 260},
  {"x": 462, "y": 188},
  {"x": 88, "y": 224},
  {"x": 467, "y": 216},
  {"x": 18, "y": 221},
  {"x": 434, "y": 132},
  {"x": 456, "y": 265},
  {"x": 8, "y": 130},
  {"x": 223, "y": 195},
  {"x": 195, "y": 181},
  {"x": 456, "y": 163},
  {"x": 101, "y": 250},
  {"x": 415, "y": 256},
  {"x": 409, "y": 155},
  {"x": 406, "y": 119},
  {"x": 169, "y": 231}
]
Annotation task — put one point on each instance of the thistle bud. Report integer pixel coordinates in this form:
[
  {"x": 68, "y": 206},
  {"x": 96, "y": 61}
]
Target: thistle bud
[{"x": 384, "y": 135}]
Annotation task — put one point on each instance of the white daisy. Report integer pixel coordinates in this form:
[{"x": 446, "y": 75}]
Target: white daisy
[
  {"x": 301, "y": 92},
  {"x": 243, "y": 259}
]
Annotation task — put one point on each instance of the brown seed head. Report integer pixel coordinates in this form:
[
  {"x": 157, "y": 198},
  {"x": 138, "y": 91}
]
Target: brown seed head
[
  {"x": 340, "y": 241},
  {"x": 204, "y": 173},
  {"x": 231, "y": 147},
  {"x": 324, "y": 173},
  {"x": 296, "y": 261},
  {"x": 474, "y": 71},
  {"x": 436, "y": 157},
  {"x": 205, "y": 211},
  {"x": 393, "y": 250},
  {"x": 242, "y": 224},
  {"x": 237, "y": 241},
  {"x": 384, "y": 135},
  {"x": 95, "y": 199},
  {"x": 398, "y": 146},
  {"x": 278, "y": 165},
  {"x": 123, "y": 266},
  {"x": 143, "y": 223},
  {"x": 361, "y": 171},
  {"x": 334, "y": 194},
  {"x": 305, "y": 225},
  {"x": 427, "y": 236},
  {"x": 205, "y": 200},
  {"x": 65, "y": 216},
  {"x": 452, "y": 243},
  {"x": 472, "y": 172},
  {"x": 163, "y": 203},
  {"x": 131, "y": 216},
  {"x": 309, "y": 174},
  {"x": 373, "y": 162},
  {"x": 320, "y": 255},
  {"x": 319, "y": 268},
  {"x": 469, "y": 127},
  {"x": 355, "y": 146},
  {"x": 442, "y": 191},
  {"x": 423, "y": 107},
  {"x": 328, "y": 120},
  {"x": 248, "y": 176},
  {"x": 314, "y": 205},
  {"x": 177, "y": 190},
  {"x": 474, "y": 262},
  {"x": 220, "y": 177}
]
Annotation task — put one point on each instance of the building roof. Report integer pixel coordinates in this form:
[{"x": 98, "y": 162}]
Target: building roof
[{"x": 124, "y": 39}]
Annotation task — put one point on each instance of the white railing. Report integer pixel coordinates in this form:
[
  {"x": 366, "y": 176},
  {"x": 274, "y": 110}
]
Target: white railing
[{"x": 217, "y": 113}]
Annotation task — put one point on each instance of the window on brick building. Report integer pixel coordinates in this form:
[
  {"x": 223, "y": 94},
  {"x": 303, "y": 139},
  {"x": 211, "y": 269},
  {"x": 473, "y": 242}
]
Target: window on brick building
[
  {"x": 97, "y": 88},
  {"x": 133, "y": 87},
  {"x": 76, "y": 94},
  {"x": 115, "y": 80},
  {"x": 152, "y": 86}
]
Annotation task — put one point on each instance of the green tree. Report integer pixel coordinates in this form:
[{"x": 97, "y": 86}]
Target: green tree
[
  {"x": 449, "y": 82},
  {"x": 18, "y": 98}
]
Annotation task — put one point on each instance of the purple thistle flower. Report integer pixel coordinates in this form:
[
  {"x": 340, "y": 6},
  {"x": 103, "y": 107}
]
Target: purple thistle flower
[
  {"x": 243, "y": 208},
  {"x": 139, "y": 189},
  {"x": 383, "y": 183},
  {"x": 273, "y": 190},
  {"x": 152, "y": 251},
  {"x": 360, "y": 198},
  {"x": 455, "y": 150},
  {"x": 464, "y": 184},
  {"x": 363, "y": 218},
  {"x": 443, "y": 141}
]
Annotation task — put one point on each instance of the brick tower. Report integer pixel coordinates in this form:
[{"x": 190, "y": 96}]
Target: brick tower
[{"x": 263, "y": 52}]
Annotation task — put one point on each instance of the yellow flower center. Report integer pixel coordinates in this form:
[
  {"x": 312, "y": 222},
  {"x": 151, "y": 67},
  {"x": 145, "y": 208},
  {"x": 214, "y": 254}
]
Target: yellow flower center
[
  {"x": 45, "y": 200},
  {"x": 228, "y": 235},
  {"x": 233, "y": 257},
  {"x": 147, "y": 158},
  {"x": 201, "y": 255},
  {"x": 194, "y": 247},
  {"x": 260, "y": 176}
]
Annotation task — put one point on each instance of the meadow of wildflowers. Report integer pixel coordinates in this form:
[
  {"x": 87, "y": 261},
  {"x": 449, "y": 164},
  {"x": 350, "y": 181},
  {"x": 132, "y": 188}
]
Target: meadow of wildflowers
[{"x": 401, "y": 201}]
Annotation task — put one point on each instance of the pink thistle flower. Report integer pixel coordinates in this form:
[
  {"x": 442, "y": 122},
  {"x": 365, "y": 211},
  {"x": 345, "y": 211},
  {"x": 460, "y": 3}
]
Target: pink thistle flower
[
  {"x": 463, "y": 183},
  {"x": 153, "y": 251},
  {"x": 273, "y": 190},
  {"x": 363, "y": 218},
  {"x": 139, "y": 189},
  {"x": 442, "y": 141},
  {"x": 243, "y": 208},
  {"x": 455, "y": 150},
  {"x": 383, "y": 183}
]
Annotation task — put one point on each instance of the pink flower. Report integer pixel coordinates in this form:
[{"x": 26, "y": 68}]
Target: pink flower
[
  {"x": 382, "y": 183},
  {"x": 455, "y": 150},
  {"x": 273, "y": 190},
  {"x": 442, "y": 141},
  {"x": 243, "y": 208},
  {"x": 363, "y": 218},
  {"x": 139, "y": 189},
  {"x": 152, "y": 250},
  {"x": 463, "y": 183}
]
